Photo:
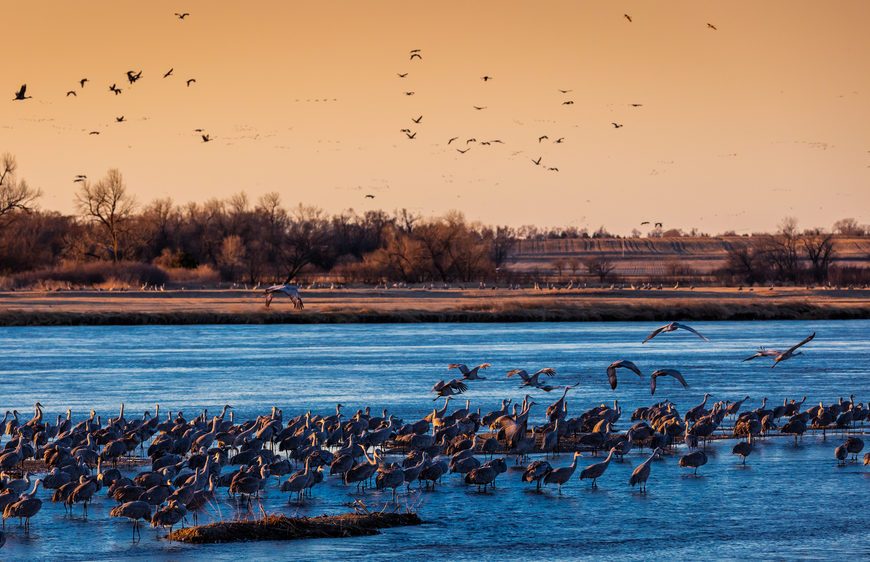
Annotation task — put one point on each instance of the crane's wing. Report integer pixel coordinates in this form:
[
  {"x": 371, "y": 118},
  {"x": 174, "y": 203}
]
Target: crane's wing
[
  {"x": 654, "y": 333},
  {"x": 520, "y": 373},
  {"x": 690, "y": 329},
  {"x": 652, "y": 384},
  {"x": 484, "y": 365},
  {"x": 549, "y": 371},
  {"x": 677, "y": 375},
  {"x": 458, "y": 385},
  {"x": 611, "y": 377},
  {"x": 461, "y": 366},
  {"x": 805, "y": 340},
  {"x": 631, "y": 367},
  {"x": 438, "y": 386}
]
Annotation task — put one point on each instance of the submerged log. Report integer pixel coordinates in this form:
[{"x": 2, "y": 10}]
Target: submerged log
[{"x": 280, "y": 527}]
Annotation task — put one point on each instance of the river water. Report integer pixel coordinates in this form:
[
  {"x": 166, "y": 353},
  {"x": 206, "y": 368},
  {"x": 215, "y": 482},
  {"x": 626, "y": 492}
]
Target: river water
[{"x": 789, "y": 502}]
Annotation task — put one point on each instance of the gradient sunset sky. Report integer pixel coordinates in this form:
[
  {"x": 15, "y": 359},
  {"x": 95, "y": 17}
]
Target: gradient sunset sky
[{"x": 767, "y": 116}]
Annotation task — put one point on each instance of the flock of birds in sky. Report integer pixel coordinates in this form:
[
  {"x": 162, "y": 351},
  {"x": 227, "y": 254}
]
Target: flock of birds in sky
[
  {"x": 459, "y": 385},
  {"x": 132, "y": 76}
]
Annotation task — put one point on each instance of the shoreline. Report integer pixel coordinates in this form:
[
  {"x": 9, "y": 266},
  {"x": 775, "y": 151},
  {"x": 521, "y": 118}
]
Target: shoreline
[{"x": 367, "y": 306}]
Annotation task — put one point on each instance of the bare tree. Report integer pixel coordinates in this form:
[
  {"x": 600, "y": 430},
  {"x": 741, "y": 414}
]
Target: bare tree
[
  {"x": 849, "y": 227},
  {"x": 108, "y": 204},
  {"x": 15, "y": 194},
  {"x": 600, "y": 266},
  {"x": 744, "y": 261},
  {"x": 559, "y": 265},
  {"x": 819, "y": 249}
]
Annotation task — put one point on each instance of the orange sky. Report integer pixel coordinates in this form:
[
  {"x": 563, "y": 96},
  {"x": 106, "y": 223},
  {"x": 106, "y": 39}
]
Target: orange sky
[{"x": 766, "y": 117}]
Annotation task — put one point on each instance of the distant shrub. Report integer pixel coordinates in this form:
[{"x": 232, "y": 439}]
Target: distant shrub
[
  {"x": 93, "y": 274},
  {"x": 201, "y": 275}
]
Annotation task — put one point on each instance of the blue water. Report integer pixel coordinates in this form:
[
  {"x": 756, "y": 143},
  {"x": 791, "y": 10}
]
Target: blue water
[{"x": 790, "y": 502}]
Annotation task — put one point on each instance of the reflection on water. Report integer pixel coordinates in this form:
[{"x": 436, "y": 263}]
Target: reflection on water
[{"x": 788, "y": 503}]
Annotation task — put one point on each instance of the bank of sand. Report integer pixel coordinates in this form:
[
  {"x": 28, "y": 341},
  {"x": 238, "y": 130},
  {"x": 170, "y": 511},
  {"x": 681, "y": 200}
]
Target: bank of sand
[{"x": 419, "y": 305}]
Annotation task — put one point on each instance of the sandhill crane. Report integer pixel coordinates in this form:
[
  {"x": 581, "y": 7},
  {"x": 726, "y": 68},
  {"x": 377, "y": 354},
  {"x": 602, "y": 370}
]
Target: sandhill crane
[
  {"x": 743, "y": 448},
  {"x": 596, "y": 471},
  {"x": 854, "y": 445},
  {"x": 562, "y": 474},
  {"x": 291, "y": 291},
  {"x": 663, "y": 373},
  {"x": 790, "y": 352},
  {"x": 621, "y": 364},
  {"x": 641, "y": 473},
  {"x": 733, "y": 408},
  {"x": 470, "y": 374},
  {"x": 763, "y": 352},
  {"x": 536, "y": 472},
  {"x": 19, "y": 95},
  {"x": 450, "y": 388},
  {"x": 841, "y": 453},
  {"x": 695, "y": 459},
  {"x": 533, "y": 379},
  {"x": 168, "y": 516},
  {"x": 26, "y": 507},
  {"x": 672, "y": 327},
  {"x": 134, "y": 511}
]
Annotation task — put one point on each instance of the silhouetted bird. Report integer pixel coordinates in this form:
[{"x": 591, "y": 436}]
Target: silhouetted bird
[
  {"x": 460, "y": 151},
  {"x": 400, "y": 75},
  {"x": 569, "y": 102},
  {"x": 411, "y": 136},
  {"x": 470, "y": 140},
  {"x": 486, "y": 78},
  {"x": 479, "y": 108},
  {"x": 453, "y": 139},
  {"x": 542, "y": 138},
  {"x": 370, "y": 196},
  {"x": 119, "y": 119},
  {"x": 94, "y": 133},
  {"x": 417, "y": 120},
  {"x": 616, "y": 125},
  {"x": 409, "y": 93},
  {"x": 636, "y": 105},
  {"x": 206, "y": 138},
  {"x": 559, "y": 140},
  {"x": 416, "y": 55},
  {"x": 19, "y": 95},
  {"x": 553, "y": 169},
  {"x": 644, "y": 222},
  {"x": 83, "y": 81},
  {"x": 190, "y": 81},
  {"x": 133, "y": 77},
  {"x": 115, "y": 89},
  {"x": 169, "y": 72},
  {"x": 566, "y": 91},
  {"x": 628, "y": 17},
  {"x": 71, "y": 93},
  {"x": 538, "y": 161},
  {"x": 658, "y": 225},
  {"x": 181, "y": 16},
  {"x": 711, "y": 26}
]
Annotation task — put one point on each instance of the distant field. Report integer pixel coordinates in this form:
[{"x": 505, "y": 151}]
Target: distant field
[
  {"x": 419, "y": 305},
  {"x": 653, "y": 257}
]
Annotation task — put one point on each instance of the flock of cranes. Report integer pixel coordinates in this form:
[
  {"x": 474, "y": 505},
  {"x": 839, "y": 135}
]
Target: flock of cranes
[
  {"x": 132, "y": 76},
  {"x": 188, "y": 461}
]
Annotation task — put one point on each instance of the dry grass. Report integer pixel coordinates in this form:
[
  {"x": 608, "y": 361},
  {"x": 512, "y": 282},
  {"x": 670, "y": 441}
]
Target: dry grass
[
  {"x": 370, "y": 305},
  {"x": 280, "y": 527}
]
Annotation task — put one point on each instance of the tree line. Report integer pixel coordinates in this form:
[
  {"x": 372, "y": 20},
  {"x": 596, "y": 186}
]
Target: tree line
[{"x": 244, "y": 241}]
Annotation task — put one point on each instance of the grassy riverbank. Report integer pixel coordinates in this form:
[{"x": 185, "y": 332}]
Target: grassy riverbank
[{"x": 402, "y": 306}]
